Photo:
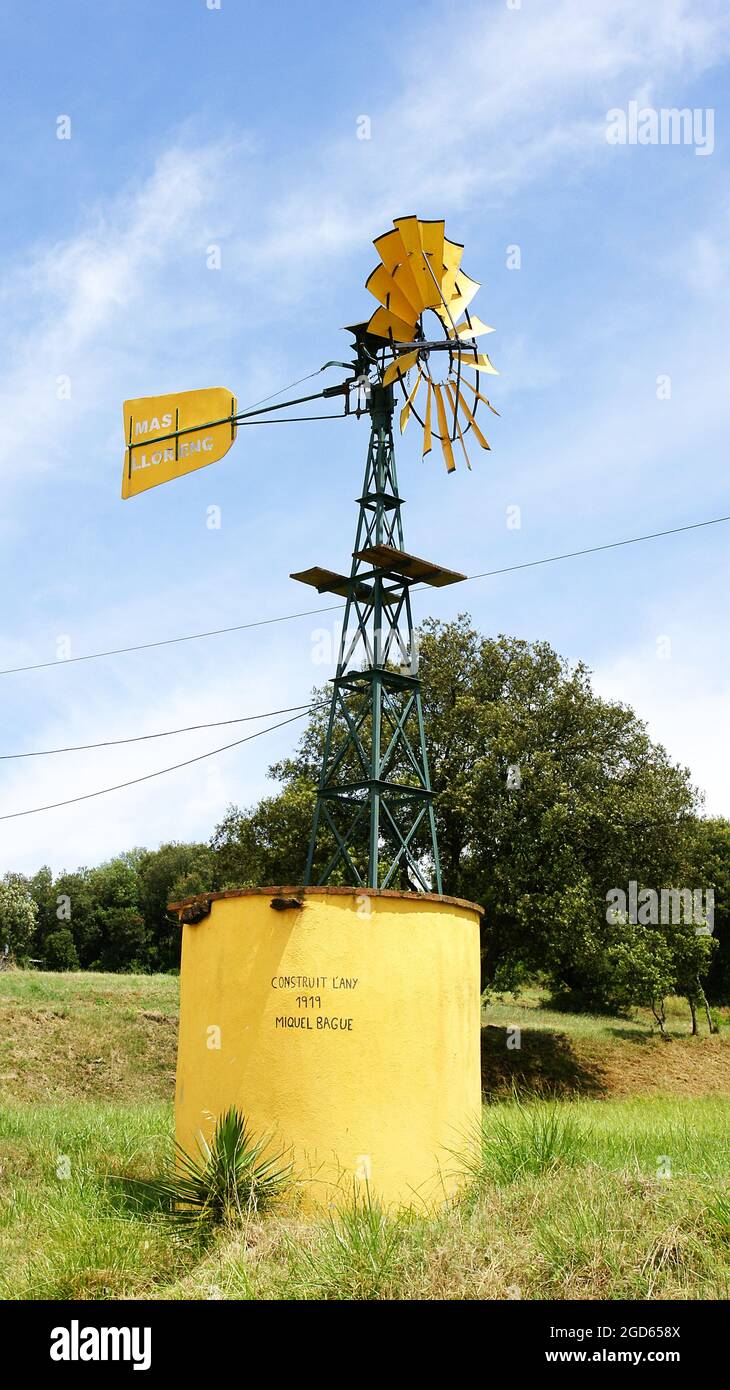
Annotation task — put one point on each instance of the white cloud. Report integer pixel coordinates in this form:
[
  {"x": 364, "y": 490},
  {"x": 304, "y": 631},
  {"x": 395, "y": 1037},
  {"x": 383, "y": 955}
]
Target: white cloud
[
  {"x": 91, "y": 299},
  {"x": 684, "y": 702}
]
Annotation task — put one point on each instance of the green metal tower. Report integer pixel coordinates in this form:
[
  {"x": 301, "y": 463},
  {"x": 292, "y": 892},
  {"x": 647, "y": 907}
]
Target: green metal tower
[{"x": 374, "y": 796}]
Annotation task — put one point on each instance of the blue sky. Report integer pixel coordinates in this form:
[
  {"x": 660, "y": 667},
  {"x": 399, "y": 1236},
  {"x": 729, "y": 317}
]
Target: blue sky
[{"x": 239, "y": 127}]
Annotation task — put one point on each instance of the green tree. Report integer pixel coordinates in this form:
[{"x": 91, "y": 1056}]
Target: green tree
[
  {"x": 164, "y": 875},
  {"x": 74, "y": 906},
  {"x": 40, "y": 887},
  {"x": 547, "y": 796},
  {"x": 709, "y": 868},
  {"x": 267, "y": 844},
  {"x": 18, "y": 915},
  {"x": 123, "y": 942},
  {"x": 60, "y": 951}
]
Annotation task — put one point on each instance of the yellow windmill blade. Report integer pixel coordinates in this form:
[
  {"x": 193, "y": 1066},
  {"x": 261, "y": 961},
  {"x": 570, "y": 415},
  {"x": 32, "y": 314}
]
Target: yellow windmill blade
[
  {"x": 382, "y": 285},
  {"x": 478, "y": 395},
  {"x": 452, "y": 397},
  {"x": 399, "y": 367},
  {"x": 457, "y": 400},
  {"x": 424, "y": 297},
  {"x": 432, "y": 241},
  {"x": 479, "y": 361},
  {"x": 453, "y": 252},
  {"x": 475, "y": 329},
  {"x": 394, "y": 256},
  {"x": 465, "y": 290},
  {"x": 407, "y": 408},
  {"x": 428, "y": 285},
  {"x": 446, "y": 448},
  {"x": 383, "y": 324},
  {"x": 427, "y": 421}
]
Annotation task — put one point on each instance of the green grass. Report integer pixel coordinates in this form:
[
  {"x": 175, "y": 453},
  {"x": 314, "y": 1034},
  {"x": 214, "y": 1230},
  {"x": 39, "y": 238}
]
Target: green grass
[
  {"x": 62, "y": 1235},
  {"x": 532, "y": 1010},
  {"x": 570, "y": 1200},
  {"x": 83, "y": 987},
  {"x": 638, "y": 1137},
  {"x": 618, "y": 1189},
  {"x": 84, "y": 1036},
  {"x": 598, "y": 1054}
]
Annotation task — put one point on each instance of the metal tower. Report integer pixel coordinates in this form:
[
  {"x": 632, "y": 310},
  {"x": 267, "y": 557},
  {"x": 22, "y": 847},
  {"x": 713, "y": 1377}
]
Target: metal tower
[{"x": 374, "y": 795}]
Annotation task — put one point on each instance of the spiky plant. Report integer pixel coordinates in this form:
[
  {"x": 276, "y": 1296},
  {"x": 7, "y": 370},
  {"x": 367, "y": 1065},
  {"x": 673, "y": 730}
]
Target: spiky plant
[{"x": 227, "y": 1180}]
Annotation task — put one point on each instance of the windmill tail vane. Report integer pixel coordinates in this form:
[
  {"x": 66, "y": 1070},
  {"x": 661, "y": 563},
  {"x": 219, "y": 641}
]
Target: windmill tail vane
[{"x": 374, "y": 822}]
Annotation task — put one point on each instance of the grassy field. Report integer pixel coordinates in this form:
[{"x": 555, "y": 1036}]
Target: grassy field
[{"x": 603, "y": 1168}]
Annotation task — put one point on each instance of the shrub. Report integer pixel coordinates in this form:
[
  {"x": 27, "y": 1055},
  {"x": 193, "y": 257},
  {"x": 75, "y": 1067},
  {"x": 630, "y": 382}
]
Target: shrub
[{"x": 59, "y": 951}]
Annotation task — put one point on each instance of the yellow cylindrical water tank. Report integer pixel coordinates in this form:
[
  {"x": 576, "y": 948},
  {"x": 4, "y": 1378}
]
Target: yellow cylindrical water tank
[{"x": 345, "y": 1022}]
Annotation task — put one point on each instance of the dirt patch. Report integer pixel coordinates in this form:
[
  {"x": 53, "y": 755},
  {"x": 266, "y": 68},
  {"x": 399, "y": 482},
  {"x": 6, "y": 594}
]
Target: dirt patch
[
  {"x": 681, "y": 1067},
  {"x": 84, "y": 1053},
  {"x": 545, "y": 1063},
  {"x": 556, "y": 1064}
]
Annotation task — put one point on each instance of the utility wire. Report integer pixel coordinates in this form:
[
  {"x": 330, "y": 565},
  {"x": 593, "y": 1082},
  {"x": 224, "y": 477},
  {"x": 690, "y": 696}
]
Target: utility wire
[
  {"x": 134, "y": 781},
  {"x": 164, "y": 733},
  {"x": 170, "y": 641},
  {"x": 594, "y": 549},
  {"x": 336, "y": 607},
  {"x": 508, "y": 569}
]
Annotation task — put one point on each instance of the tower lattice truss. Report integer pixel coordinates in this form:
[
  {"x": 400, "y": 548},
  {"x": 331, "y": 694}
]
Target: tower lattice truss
[{"x": 374, "y": 821}]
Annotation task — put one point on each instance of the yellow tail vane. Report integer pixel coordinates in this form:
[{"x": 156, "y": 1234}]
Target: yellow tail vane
[{"x": 168, "y": 436}]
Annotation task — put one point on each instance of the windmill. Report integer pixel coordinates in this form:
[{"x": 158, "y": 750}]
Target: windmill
[{"x": 374, "y": 811}]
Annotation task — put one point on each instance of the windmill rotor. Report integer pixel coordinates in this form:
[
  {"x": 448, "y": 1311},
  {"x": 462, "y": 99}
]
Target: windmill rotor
[{"x": 420, "y": 274}]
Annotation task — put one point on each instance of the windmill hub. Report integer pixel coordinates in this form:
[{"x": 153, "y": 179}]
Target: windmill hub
[{"x": 436, "y": 358}]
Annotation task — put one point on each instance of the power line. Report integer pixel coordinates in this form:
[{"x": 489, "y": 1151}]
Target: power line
[
  {"x": 164, "y": 733},
  {"x": 134, "y": 781},
  {"x": 594, "y": 549},
  {"x": 335, "y": 607},
  {"x": 508, "y": 569},
  {"x": 169, "y": 641}
]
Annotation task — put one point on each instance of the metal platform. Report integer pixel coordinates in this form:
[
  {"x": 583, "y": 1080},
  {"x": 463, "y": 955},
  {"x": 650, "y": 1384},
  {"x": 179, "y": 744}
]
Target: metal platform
[
  {"x": 387, "y": 557},
  {"x": 330, "y": 582}
]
